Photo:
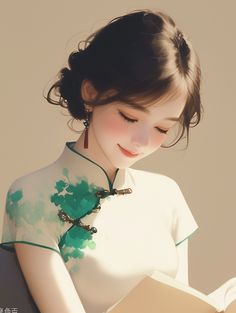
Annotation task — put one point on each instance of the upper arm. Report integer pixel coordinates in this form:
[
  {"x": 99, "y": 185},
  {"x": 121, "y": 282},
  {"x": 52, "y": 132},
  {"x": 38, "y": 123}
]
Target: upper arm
[
  {"x": 182, "y": 272},
  {"x": 48, "y": 279}
]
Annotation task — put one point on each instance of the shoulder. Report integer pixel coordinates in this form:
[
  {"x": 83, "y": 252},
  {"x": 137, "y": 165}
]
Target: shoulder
[
  {"x": 28, "y": 200},
  {"x": 35, "y": 182}
]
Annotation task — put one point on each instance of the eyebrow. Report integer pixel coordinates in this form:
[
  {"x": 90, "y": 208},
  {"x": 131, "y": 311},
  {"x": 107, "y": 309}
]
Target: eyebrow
[{"x": 143, "y": 109}]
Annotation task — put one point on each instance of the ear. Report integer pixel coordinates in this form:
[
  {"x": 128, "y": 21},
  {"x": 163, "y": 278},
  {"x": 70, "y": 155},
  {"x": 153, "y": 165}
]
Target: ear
[{"x": 88, "y": 92}]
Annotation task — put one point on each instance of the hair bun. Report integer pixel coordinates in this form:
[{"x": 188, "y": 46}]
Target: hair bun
[
  {"x": 68, "y": 84},
  {"x": 76, "y": 60}
]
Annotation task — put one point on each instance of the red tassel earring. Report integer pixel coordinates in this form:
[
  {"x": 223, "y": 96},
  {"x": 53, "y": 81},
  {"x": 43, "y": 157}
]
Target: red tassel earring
[{"x": 86, "y": 124}]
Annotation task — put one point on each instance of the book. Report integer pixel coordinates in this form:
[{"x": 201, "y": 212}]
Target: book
[{"x": 160, "y": 293}]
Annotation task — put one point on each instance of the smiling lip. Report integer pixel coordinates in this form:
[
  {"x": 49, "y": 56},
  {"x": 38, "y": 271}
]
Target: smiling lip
[{"x": 127, "y": 153}]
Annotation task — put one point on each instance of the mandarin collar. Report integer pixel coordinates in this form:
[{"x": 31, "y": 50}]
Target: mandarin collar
[{"x": 81, "y": 166}]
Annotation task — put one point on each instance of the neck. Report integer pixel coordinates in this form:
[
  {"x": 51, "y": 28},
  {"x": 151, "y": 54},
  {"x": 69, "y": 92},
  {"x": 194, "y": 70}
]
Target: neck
[{"x": 95, "y": 153}]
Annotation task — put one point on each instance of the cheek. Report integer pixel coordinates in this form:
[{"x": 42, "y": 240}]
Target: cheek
[
  {"x": 114, "y": 126},
  {"x": 157, "y": 140}
]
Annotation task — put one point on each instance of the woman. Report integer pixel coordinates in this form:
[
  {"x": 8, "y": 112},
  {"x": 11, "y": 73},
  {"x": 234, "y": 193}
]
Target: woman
[{"x": 110, "y": 225}]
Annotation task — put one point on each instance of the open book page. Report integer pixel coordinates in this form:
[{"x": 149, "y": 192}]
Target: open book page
[
  {"x": 225, "y": 294},
  {"x": 177, "y": 284},
  {"x": 158, "y": 292},
  {"x": 231, "y": 308}
]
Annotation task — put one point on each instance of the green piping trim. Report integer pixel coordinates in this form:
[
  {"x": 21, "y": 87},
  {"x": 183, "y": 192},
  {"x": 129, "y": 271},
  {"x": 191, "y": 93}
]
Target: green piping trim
[
  {"x": 187, "y": 237},
  {"x": 29, "y": 243},
  {"x": 69, "y": 145}
]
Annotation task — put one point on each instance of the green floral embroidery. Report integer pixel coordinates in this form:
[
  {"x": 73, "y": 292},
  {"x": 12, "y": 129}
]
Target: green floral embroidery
[
  {"x": 12, "y": 205},
  {"x": 23, "y": 212},
  {"x": 76, "y": 200}
]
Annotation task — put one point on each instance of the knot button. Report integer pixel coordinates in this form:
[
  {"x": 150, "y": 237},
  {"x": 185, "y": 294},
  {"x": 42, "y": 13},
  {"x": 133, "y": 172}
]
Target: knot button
[{"x": 122, "y": 191}]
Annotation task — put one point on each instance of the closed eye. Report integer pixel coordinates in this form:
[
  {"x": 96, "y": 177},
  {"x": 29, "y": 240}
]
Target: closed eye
[
  {"x": 130, "y": 120},
  {"x": 127, "y": 118}
]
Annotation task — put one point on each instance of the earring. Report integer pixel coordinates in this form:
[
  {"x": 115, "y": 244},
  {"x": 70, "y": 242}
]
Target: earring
[{"x": 86, "y": 124}]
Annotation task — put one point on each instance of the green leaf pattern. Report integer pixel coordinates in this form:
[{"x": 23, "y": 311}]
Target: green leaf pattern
[
  {"x": 76, "y": 200},
  {"x": 23, "y": 212}
]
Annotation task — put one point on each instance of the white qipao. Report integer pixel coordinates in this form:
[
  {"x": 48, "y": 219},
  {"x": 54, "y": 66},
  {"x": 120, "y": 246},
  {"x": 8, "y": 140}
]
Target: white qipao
[{"x": 137, "y": 232}]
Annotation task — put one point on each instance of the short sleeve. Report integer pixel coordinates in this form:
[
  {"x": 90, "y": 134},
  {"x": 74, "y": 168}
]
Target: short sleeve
[
  {"x": 184, "y": 224},
  {"x": 29, "y": 219}
]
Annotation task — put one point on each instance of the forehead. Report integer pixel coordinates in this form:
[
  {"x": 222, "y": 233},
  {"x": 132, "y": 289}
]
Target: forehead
[{"x": 168, "y": 106}]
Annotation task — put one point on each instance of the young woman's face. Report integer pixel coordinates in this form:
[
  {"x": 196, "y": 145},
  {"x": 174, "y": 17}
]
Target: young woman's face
[{"x": 126, "y": 135}]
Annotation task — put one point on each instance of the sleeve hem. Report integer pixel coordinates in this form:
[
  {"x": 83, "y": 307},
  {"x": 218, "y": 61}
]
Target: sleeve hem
[
  {"x": 187, "y": 237},
  {"x": 26, "y": 242}
]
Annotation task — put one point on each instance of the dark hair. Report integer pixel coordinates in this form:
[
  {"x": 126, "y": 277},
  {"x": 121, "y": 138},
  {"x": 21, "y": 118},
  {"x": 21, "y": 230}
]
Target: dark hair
[{"x": 143, "y": 56}]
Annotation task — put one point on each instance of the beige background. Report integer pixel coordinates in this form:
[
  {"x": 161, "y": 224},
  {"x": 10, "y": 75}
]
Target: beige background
[{"x": 36, "y": 38}]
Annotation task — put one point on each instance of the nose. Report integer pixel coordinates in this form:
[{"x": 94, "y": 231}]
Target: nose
[{"x": 140, "y": 139}]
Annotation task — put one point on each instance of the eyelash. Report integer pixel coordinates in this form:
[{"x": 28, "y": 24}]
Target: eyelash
[{"x": 133, "y": 121}]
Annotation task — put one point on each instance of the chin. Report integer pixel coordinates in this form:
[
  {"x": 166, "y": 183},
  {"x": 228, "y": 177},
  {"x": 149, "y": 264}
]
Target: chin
[{"x": 123, "y": 163}]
